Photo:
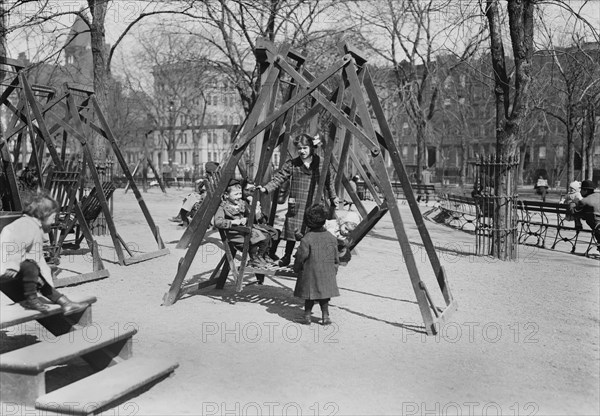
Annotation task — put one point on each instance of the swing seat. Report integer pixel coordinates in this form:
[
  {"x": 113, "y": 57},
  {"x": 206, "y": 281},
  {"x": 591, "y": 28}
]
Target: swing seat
[
  {"x": 259, "y": 272},
  {"x": 91, "y": 207}
]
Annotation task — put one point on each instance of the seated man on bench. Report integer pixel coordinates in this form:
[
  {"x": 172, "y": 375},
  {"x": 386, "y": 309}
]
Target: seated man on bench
[{"x": 588, "y": 208}]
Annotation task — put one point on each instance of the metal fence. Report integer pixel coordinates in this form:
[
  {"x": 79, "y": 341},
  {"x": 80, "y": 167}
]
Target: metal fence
[{"x": 495, "y": 193}]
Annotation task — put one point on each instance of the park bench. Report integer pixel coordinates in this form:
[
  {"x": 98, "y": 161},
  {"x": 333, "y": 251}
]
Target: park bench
[
  {"x": 457, "y": 211},
  {"x": 536, "y": 218},
  {"x": 420, "y": 191}
]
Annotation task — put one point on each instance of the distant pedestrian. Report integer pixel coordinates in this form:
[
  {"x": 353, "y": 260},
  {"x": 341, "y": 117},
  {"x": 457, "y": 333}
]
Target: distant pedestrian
[
  {"x": 317, "y": 263},
  {"x": 541, "y": 187},
  {"x": 425, "y": 180}
]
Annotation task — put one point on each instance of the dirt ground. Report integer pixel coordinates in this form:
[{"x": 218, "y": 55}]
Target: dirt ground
[{"x": 524, "y": 340}]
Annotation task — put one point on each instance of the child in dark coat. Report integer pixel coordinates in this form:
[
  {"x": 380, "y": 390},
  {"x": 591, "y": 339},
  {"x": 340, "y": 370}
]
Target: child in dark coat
[
  {"x": 317, "y": 263},
  {"x": 23, "y": 269}
]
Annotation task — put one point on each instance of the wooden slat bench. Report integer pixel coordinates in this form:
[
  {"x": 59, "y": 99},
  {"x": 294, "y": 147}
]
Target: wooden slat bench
[
  {"x": 536, "y": 218},
  {"x": 419, "y": 190}
]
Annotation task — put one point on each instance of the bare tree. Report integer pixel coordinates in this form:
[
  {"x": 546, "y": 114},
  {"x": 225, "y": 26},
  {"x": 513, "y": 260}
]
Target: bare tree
[
  {"x": 95, "y": 15},
  {"x": 465, "y": 111},
  {"x": 419, "y": 39},
  {"x": 182, "y": 74},
  {"x": 570, "y": 81},
  {"x": 232, "y": 27}
]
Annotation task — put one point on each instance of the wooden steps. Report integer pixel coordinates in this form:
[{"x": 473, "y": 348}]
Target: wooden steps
[
  {"x": 14, "y": 314},
  {"x": 98, "y": 390},
  {"x": 106, "y": 349},
  {"x": 36, "y": 358}
]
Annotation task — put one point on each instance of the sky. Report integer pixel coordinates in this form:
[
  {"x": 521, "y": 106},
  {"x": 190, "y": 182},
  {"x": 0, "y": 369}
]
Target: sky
[{"x": 122, "y": 12}]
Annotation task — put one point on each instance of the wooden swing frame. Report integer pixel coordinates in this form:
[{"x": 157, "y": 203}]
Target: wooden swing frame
[
  {"x": 270, "y": 125},
  {"x": 71, "y": 112}
]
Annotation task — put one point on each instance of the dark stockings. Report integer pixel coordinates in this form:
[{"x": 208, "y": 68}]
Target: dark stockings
[
  {"x": 26, "y": 284},
  {"x": 289, "y": 248},
  {"x": 323, "y": 303}
]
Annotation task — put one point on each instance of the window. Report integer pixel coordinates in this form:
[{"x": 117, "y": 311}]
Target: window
[
  {"x": 542, "y": 153},
  {"x": 560, "y": 151},
  {"x": 597, "y": 149},
  {"x": 404, "y": 151}
]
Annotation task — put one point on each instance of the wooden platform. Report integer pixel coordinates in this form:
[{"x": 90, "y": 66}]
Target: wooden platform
[
  {"x": 107, "y": 350},
  {"x": 105, "y": 387}
]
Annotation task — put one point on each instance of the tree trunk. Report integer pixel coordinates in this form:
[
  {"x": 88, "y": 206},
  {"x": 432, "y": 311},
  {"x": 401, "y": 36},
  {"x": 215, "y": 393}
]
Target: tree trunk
[
  {"x": 589, "y": 139},
  {"x": 98, "y": 9},
  {"x": 570, "y": 153},
  {"x": 421, "y": 148},
  {"x": 509, "y": 115},
  {"x": 464, "y": 162}
]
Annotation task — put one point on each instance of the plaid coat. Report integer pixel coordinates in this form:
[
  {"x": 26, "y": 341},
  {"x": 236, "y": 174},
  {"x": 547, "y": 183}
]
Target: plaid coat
[
  {"x": 317, "y": 262},
  {"x": 303, "y": 185}
]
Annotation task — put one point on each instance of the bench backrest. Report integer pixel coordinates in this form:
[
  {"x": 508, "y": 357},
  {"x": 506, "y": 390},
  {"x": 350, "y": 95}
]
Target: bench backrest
[{"x": 91, "y": 206}]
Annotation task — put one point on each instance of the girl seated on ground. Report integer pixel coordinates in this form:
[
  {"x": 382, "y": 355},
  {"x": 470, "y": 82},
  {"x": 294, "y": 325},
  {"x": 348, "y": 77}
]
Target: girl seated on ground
[
  {"x": 232, "y": 213},
  {"x": 23, "y": 269}
]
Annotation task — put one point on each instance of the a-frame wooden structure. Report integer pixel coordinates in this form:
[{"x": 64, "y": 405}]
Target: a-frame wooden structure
[
  {"x": 286, "y": 86},
  {"x": 71, "y": 113}
]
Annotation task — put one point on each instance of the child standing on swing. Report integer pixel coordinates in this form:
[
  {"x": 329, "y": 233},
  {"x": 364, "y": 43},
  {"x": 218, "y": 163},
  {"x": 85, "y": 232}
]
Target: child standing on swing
[
  {"x": 304, "y": 173},
  {"x": 23, "y": 269}
]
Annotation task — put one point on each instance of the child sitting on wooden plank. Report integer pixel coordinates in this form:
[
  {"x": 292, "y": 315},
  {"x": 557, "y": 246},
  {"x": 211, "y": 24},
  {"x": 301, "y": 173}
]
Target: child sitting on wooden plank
[{"x": 231, "y": 214}]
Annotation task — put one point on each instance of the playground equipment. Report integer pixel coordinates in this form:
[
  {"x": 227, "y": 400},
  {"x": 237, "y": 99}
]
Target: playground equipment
[
  {"x": 71, "y": 114},
  {"x": 287, "y": 88}
]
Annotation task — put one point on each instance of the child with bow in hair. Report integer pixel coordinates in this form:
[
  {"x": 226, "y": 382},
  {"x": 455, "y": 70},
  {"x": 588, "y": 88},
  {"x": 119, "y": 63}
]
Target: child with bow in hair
[{"x": 304, "y": 173}]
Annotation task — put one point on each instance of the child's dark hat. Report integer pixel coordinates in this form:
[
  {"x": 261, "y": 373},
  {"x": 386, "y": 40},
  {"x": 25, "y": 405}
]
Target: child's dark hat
[
  {"x": 234, "y": 182},
  {"x": 587, "y": 184}
]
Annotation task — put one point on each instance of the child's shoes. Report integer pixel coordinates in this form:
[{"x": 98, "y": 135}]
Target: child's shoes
[
  {"x": 69, "y": 307},
  {"x": 306, "y": 319},
  {"x": 285, "y": 261},
  {"x": 35, "y": 304},
  {"x": 326, "y": 320}
]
